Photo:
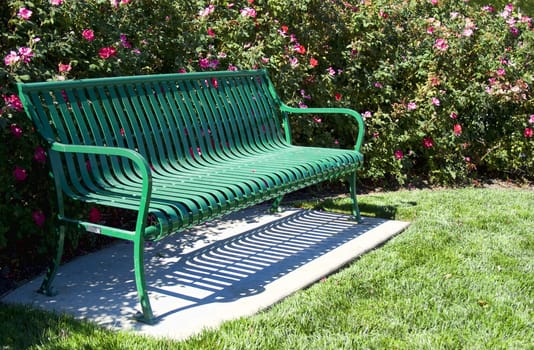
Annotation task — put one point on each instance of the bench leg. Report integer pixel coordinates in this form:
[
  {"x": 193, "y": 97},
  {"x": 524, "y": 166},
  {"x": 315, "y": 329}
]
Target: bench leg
[
  {"x": 355, "y": 208},
  {"x": 275, "y": 207},
  {"x": 146, "y": 316},
  {"x": 46, "y": 286}
]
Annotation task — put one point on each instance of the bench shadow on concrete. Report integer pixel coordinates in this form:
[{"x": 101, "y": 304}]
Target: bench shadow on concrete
[
  {"x": 222, "y": 262},
  {"x": 243, "y": 265}
]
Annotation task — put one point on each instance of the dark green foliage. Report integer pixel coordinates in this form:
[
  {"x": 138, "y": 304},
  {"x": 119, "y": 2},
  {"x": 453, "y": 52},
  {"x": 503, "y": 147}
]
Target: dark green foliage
[{"x": 392, "y": 61}]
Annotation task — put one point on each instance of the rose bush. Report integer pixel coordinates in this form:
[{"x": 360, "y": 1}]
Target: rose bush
[
  {"x": 445, "y": 86},
  {"x": 450, "y": 73}
]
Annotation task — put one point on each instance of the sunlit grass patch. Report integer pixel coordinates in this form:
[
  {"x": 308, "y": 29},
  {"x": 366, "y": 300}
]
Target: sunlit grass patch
[{"x": 460, "y": 277}]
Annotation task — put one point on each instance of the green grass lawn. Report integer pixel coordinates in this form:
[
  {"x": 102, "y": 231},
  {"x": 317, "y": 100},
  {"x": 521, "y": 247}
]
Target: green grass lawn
[{"x": 460, "y": 277}]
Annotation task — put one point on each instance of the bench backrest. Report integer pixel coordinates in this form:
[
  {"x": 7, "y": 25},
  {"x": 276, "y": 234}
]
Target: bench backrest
[{"x": 164, "y": 117}]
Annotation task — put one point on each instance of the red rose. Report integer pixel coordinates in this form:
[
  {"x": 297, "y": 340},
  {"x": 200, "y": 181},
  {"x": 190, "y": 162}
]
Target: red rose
[{"x": 107, "y": 52}]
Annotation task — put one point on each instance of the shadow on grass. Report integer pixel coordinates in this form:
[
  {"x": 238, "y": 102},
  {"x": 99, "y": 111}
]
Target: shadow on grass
[
  {"x": 384, "y": 211},
  {"x": 28, "y": 327}
]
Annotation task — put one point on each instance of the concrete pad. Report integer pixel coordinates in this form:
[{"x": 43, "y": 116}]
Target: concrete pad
[{"x": 219, "y": 271}]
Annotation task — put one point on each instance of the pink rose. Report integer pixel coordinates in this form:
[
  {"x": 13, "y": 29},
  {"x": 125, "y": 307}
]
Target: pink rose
[
  {"x": 11, "y": 58},
  {"x": 25, "y": 53},
  {"x": 20, "y": 174},
  {"x": 441, "y": 44},
  {"x": 16, "y": 131},
  {"x": 457, "y": 129},
  {"x": 248, "y": 12},
  {"x": 64, "y": 67},
  {"x": 428, "y": 142},
  {"x": 107, "y": 52},
  {"x": 204, "y": 63},
  {"x": 39, "y": 218},
  {"x": 88, "y": 34},
  {"x": 39, "y": 155},
  {"x": 13, "y": 102},
  {"x": 24, "y": 13},
  {"x": 207, "y": 11}
]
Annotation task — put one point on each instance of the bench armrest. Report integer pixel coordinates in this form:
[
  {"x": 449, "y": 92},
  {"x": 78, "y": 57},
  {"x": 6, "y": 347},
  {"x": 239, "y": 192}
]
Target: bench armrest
[
  {"x": 139, "y": 161},
  {"x": 345, "y": 111}
]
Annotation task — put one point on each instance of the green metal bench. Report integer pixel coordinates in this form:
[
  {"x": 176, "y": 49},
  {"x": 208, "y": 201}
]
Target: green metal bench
[{"x": 178, "y": 149}]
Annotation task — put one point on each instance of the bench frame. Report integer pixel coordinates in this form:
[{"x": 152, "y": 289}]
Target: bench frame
[{"x": 141, "y": 163}]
